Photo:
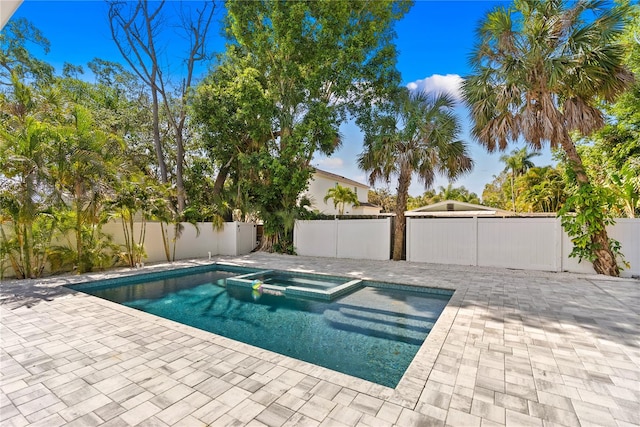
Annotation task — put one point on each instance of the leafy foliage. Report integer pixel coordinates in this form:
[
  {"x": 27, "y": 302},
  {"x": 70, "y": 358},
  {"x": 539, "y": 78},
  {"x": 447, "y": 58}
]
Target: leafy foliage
[
  {"x": 518, "y": 163},
  {"x": 541, "y": 189},
  {"x": 612, "y": 154},
  {"x": 583, "y": 215},
  {"x": 16, "y": 56},
  {"x": 382, "y": 197}
]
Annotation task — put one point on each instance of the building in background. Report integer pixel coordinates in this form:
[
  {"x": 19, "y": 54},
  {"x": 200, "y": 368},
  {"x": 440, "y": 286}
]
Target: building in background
[
  {"x": 454, "y": 208},
  {"x": 322, "y": 181}
]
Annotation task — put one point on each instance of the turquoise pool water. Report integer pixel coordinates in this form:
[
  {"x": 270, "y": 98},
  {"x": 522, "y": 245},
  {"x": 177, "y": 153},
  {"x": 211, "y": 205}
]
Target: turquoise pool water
[{"x": 372, "y": 333}]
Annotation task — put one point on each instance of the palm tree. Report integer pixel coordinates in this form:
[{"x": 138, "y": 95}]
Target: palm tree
[
  {"x": 518, "y": 163},
  {"x": 420, "y": 136},
  {"x": 24, "y": 154},
  {"x": 86, "y": 164},
  {"x": 340, "y": 196},
  {"x": 539, "y": 69}
]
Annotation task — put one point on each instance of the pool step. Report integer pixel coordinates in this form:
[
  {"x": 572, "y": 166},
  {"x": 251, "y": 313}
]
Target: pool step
[{"x": 375, "y": 325}]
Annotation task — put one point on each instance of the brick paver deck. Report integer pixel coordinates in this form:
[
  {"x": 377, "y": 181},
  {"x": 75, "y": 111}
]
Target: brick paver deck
[{"x": 512, "y": 348}]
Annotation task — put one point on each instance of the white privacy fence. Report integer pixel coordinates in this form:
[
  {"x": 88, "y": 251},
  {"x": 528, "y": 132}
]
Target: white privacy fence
[
  {"x": 236, "y": 238},
  {"x": 521, "y": 243},
  {"x": 353, "y": 238}
]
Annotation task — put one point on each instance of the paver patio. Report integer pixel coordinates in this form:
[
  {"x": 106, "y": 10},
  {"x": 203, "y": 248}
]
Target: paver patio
[{"x": 515, "y": 348}]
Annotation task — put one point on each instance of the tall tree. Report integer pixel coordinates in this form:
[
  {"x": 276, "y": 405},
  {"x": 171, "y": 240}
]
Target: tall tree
[
  {"x": 419, "y": 136},
  {"x": 315, "y": 63},
  {"x": 517, "y": 163},
  {"x": 539, "y": 69},
  {"x": 136, "y": 28},
  {"x": 228, "y": 109},
  {"x": 16, "y": 53}
]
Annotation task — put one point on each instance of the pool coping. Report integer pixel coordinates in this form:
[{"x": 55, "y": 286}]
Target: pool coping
[{"x": 450, "y": 381}]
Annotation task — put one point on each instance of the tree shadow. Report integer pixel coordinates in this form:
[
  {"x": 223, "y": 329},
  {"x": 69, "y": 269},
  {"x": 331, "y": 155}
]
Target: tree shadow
[
  {"x": 579, "y": 312},
  {"x": 28, "y": 293}
]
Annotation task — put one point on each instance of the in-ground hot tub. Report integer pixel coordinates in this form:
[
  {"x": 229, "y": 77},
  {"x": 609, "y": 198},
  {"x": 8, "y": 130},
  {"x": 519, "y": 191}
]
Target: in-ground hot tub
[{"x": 296, "y": 284}]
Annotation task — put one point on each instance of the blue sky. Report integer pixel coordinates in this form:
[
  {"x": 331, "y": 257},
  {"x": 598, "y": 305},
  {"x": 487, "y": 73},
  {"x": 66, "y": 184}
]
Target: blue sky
[{"x": 434, "y": 40}]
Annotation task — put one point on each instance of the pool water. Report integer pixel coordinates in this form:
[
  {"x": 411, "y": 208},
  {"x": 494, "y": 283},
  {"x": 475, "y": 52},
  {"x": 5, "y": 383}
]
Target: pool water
[{"x": 372, "y": 333}]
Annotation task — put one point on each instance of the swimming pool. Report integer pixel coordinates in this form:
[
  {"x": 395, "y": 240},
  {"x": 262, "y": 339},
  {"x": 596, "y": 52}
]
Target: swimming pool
[{"x": 372, "y": 333}]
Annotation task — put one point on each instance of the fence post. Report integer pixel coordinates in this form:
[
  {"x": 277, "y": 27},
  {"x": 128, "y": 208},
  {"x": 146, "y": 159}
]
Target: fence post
[
  {"x": 337, "y": 234},
  {"x": 408, "y": 238},
  {"x": 559, "y": 236},
  {"x": 475, "y": 240}
]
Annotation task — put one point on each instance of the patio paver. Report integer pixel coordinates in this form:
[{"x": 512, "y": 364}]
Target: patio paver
[{"x": 511, "y": 348}]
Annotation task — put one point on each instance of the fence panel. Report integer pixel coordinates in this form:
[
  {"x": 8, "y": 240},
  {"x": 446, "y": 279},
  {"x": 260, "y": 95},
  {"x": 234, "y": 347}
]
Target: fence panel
[
  {"x": 315, "y": 238},
  {"x": 364, "y": 238},
  {"x": 353, "y": 238},
  {"x": 442, "y": 240},
  {"x": 523, "y": 243}
]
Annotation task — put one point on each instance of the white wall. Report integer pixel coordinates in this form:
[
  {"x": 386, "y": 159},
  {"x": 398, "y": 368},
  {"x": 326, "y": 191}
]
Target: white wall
[
  {"x": 193, "y": 242},
  {"x": 522, "y": 243},
  {"x": 354, "y": 238},
  {"x": 236, "y": 238}
]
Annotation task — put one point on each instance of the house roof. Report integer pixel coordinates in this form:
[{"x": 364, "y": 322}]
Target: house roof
[
  {"x": 340, "y": 178},
  {"x": 8, "y": 8},
  {"x": 454, "y": 208}
]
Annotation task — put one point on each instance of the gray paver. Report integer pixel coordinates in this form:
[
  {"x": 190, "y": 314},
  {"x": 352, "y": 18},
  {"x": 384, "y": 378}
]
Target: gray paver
[
  {"x": 511, "y": 348},
  {"x": 275, "y": 415}
]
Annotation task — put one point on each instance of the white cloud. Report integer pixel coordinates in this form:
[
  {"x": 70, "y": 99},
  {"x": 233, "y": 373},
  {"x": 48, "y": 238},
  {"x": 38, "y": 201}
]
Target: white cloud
[
  {"x": 437, "y": 83},
  {"x": 330, "y": 163}
]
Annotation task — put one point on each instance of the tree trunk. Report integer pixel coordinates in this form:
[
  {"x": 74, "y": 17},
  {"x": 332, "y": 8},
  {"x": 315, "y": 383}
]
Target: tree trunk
[
  {"x": 404, "y": 180},
  {"x": 605, "y": 262},
  {"x": 156, "y": 137},
  {"x": 165, "y": 242},
  {"x": 513, "y": 191},
  {"x": 223, "y": 173},
  {"x": 179, "y": 170},
  {"x": 79, "y": 246},
  {"x": 268, "y": 242}
]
